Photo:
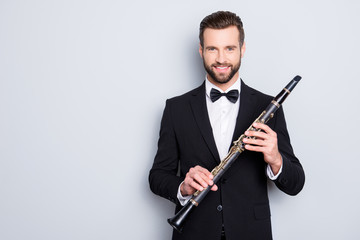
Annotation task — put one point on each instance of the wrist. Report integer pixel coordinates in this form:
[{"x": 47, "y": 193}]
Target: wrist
[
  {"x": 275, "y": 167},
  {"x": 182, "y": 191}
]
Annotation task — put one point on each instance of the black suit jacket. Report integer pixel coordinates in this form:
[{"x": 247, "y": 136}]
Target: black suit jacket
[{"x": 241, "y": 203}]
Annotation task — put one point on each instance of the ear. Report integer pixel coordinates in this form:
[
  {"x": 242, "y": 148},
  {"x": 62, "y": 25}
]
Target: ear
[
  {"x": 200, "y": 50},
  {"x": 243, "y": 48}
]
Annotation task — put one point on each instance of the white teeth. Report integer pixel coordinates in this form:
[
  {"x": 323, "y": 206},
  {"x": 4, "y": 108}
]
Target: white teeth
[{"x": 222, "y": 67}]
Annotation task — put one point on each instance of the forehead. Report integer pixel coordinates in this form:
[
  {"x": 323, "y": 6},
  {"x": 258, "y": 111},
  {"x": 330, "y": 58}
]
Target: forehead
[{"x": 221, "y": 37}]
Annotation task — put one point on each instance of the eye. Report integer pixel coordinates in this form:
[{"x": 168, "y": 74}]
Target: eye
[{"x": 230, "y": 49}]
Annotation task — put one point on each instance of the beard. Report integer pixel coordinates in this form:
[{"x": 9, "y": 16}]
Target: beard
[{"x": 221, "y": 78}]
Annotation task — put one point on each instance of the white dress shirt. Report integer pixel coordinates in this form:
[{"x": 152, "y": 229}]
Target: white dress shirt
[{"x": 223, "y": 115}]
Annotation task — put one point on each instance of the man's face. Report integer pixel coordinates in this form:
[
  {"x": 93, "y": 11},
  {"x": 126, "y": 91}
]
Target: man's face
[{"x": 222, "y": 54}]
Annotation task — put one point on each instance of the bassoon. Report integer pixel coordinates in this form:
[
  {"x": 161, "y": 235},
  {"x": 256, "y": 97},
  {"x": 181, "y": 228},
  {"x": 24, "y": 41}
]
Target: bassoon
[{"x": 238, "y": 147}]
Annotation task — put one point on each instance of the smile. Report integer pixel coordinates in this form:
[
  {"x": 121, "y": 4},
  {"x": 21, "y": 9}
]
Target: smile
[{"x": 222, "y": 69}]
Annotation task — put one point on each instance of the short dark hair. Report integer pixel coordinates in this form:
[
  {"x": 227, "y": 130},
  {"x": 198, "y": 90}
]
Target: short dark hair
[{"x": 221, "y": 20}]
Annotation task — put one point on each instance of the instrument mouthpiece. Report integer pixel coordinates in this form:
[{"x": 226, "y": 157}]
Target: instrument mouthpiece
[
  {"x": 293, "y": 83},
  {"x": 297, "y": 78}
]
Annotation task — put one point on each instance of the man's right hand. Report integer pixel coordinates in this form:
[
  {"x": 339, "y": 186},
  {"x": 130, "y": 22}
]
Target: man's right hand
[{"x": 197, "y": 178}]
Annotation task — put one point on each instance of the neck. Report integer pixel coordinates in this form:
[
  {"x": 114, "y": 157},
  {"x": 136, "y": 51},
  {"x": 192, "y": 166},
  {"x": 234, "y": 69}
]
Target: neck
[{"x": 224, "y": 86}]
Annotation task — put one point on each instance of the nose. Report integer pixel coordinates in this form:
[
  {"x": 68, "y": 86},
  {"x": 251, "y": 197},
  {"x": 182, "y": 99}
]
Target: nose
[{"x": 221, "y": 58}]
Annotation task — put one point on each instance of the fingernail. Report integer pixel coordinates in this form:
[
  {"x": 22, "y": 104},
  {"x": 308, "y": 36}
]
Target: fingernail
[
  {"x": 247, "y": 133},
  {"x": 211, "y": 183}
]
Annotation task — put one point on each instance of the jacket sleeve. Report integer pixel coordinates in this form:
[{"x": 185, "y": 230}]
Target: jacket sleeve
[
  {"x": 292, "y": 178},
  {"x": 163, "y": 177}
]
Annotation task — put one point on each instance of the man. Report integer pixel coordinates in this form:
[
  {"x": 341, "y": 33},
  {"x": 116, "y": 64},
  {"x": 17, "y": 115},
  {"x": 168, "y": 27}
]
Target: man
[{"x": 197, "y": 130}]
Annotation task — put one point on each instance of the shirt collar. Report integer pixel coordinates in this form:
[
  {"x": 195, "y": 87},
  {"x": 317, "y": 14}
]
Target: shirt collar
[{"x": 209, "y": 85}]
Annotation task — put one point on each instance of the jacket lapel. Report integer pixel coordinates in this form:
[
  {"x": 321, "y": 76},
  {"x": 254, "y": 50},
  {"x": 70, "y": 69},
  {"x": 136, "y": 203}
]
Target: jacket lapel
[
  {"x": 245, "y": 116},
  {"x": 198, "y": 105},
  {"x": 246, "y": 111}
]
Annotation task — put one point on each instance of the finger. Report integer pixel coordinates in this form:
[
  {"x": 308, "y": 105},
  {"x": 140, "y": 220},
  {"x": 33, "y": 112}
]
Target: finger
[
  {"x": 187, "y": 188},
  {"x": 196, "y": 186},
  {"x": 205, "y": 174},
  {"x": 263, "y": 127},
  {"x": 202, "y": 179},
  {"x": 254, "y": 148},
  {"x": 256, "y": 134},
  {"x": 207, "y": 178},
  {"x": 214, "y": 188},
  {"x": 200, "y": 175},
  {"x": 204, "y": 171},
  {"x": 258, "y": 142}
]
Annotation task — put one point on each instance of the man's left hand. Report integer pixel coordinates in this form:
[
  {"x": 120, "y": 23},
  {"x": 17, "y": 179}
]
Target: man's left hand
[{"x": 265, "y": 142}]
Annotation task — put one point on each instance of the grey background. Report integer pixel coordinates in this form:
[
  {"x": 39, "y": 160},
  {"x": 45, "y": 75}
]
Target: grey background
[{"x": 83, "y": 85}]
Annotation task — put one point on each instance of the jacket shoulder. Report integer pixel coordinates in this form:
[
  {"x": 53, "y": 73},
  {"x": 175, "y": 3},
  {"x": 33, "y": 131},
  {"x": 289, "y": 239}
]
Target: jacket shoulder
[
  {"x": 258, "y": 94},
  {"x": 245, "y": 87}
]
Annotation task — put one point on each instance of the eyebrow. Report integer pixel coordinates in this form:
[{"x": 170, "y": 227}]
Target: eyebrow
[
  {"x": 231, "y": 46},
  {"x": 210, "y": 47}
]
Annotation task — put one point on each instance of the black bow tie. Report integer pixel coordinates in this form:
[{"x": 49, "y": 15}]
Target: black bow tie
[{"x": 232, "y": 95}]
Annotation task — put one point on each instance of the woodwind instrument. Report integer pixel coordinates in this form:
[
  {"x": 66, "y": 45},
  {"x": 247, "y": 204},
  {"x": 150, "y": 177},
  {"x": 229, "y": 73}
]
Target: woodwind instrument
[{"x": 238, "y": 147}]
